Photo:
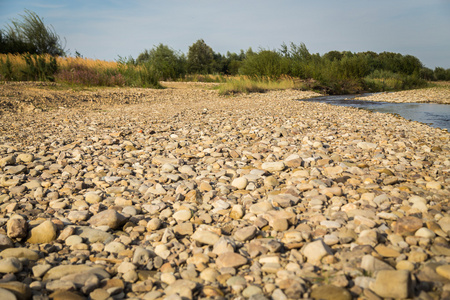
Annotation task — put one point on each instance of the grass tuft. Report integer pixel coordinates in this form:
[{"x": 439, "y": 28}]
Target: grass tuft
[{"x": 247, "y": 85}]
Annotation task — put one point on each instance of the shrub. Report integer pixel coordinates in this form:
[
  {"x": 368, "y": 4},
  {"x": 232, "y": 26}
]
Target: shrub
[
  {"x": 264, "y": 64},
  {"x": 166, "y": 63}
]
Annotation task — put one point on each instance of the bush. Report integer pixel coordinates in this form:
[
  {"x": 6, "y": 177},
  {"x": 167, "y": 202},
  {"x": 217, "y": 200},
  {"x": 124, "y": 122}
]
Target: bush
[
  {"x": 441, "y": 74},
  {"x": 264, "y": 64},
  {"x": 166, "y": 63}
]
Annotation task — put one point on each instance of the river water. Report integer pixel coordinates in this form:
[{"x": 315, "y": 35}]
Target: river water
[{"x": 435, "y": 115}]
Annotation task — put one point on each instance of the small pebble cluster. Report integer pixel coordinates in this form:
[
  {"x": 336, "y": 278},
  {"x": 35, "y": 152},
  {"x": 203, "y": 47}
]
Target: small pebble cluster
[{"x": 185, "y": 194}]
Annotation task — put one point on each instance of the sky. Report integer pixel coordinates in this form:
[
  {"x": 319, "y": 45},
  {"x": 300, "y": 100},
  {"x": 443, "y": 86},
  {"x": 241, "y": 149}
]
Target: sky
[{"x": 107, "y": 29}]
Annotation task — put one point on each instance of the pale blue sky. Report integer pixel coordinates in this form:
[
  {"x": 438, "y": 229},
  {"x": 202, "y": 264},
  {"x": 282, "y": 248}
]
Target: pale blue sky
[{"x": 108, "y": 28}]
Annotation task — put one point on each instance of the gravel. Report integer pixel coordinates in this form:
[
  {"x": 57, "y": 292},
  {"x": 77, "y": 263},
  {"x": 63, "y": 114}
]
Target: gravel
[{"x": 184, "y": 194}]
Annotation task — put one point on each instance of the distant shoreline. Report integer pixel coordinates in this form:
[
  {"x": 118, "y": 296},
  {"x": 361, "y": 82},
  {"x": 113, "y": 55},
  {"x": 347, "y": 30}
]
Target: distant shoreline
[{"x": 438, "y": 95}]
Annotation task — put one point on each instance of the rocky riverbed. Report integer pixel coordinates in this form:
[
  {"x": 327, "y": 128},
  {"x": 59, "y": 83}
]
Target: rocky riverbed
[{"x": 184, "y": 194}]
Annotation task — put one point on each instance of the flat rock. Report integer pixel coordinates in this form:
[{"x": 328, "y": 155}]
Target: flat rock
[
  {"x": 372, "y": 264},
  {"x": 64, "y": 270},
  {"x": 205, "y": 237},
  {"x": 392, "y": 284},
  {"x": 94, "y": 235},
  {"x": 20, "y": 253},
  {"x": 181, "y": 287},
  {"x": 273, "y": 166},
  {"x": 245, "y": 233},
  {"x": 330, "y": 292},
  {"x": 230, "y": 260},
  {"x": 407, "y": 225}
]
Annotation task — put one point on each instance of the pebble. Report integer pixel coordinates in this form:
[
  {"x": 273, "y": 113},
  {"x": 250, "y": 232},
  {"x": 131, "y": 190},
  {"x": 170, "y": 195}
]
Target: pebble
[{"x": 179, "y": 194}]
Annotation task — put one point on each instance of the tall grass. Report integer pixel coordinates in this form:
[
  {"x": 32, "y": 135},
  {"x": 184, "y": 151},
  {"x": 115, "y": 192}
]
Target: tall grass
[
  {"x": 26, "y": 67},
  {"x": 75, "y": 71},
  {"x": 245, "y": 84}
]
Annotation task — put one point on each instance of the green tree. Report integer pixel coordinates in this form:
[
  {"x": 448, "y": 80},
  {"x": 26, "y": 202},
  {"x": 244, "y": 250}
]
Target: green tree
[
  {"x": 200, "y": 58},
  {"x": 441, "y": 74},
  {"x": 164, "y": 61},
  {"x": 333, "y": 55},
  {"x": 30, "y": 34},
  {"x": 265, "y": 63},
  {"x": 426, "y": 73},
  {"x": 11, "y": 44}
]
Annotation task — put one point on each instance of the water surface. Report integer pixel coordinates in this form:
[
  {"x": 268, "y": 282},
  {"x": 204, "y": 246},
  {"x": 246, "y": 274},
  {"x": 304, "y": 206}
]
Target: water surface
[{"x": 435, "y": 115}]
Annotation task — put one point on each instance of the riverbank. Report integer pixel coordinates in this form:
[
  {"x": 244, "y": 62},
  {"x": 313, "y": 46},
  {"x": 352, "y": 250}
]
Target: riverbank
[
  {"x": 439, "y": 94},
  {"x": 143, "y": 194}
]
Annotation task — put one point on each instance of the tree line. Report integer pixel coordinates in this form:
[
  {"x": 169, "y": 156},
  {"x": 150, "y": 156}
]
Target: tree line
[{"x": 333, "y": 72}]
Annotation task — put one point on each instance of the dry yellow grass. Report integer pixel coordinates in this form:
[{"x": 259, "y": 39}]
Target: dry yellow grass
[
  {"x": 18, "y": 62},
  {"x": 69, "y": 62}
]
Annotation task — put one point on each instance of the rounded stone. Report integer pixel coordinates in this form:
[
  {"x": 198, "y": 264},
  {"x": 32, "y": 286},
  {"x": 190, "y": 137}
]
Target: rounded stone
[
  {"x": 240, "y": 183},
  {"x": 92, "y": 198},
  {"x": 7, "y": 295},
  {"x": 182, "y": 215},
  {"x": 10, "y": 265},
  {"x": 43, "y": 233},
  {"x": 73, "y": 240},
  {"x": 425, "y": 233}
]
